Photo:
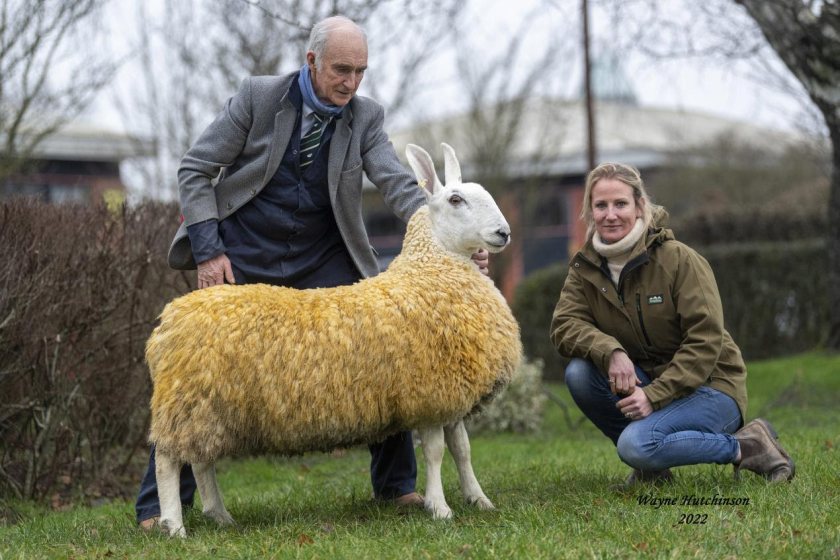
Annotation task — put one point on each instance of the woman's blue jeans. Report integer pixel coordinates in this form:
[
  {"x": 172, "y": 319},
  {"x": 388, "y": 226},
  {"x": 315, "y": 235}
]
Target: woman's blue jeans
[{"x": 688, "y": 431}]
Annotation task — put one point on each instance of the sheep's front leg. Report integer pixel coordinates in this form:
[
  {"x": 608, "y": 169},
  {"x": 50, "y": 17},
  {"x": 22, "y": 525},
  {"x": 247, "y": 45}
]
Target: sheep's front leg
[
  {"x": 211, "y": 497},
  {"x": 168, "y": 474},
  {"x": 458, "y": 443},
  {"x": 433, "y": 449}
]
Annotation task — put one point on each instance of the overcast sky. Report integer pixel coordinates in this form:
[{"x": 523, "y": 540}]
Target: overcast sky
[
  {"x": 689, "y": 84},
  {"x": 694, "y": 85}
]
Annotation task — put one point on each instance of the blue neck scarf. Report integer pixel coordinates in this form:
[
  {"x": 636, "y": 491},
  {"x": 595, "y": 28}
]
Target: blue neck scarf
[{"x": 309, "y": 97}]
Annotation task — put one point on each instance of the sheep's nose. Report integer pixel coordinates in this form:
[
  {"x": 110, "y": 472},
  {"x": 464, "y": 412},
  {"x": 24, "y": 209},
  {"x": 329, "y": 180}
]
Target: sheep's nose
[{"x": 504, "y": 234}]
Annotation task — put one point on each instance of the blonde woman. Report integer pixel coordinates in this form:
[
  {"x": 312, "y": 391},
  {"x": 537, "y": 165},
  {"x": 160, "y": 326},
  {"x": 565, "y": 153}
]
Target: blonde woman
[{"x": 652, "y": 365}]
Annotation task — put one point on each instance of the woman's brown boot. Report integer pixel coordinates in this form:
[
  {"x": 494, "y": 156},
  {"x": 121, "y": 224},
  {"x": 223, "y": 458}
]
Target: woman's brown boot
[
  {"x": 641, "y": 477},
  {"x": 762, "y": 454}
]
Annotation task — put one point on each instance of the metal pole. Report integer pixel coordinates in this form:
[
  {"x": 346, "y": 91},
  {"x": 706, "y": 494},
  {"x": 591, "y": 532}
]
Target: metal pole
[{"x": 587, "y": 78}]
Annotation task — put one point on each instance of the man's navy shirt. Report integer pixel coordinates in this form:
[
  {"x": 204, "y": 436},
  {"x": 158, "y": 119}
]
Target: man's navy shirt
[{"x": 287, "y": 233}]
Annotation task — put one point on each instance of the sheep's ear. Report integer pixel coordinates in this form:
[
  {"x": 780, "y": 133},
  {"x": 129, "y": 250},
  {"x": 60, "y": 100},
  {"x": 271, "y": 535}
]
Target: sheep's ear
[
  {"x": 424, "y": 168},
  {"x": 451, "y": 166}
]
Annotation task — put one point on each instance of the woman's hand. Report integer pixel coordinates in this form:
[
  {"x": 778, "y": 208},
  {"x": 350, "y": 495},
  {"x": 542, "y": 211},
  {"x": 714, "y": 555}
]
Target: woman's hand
[
  {"x": 622, "y": 374},
  {"x": 636, "y": 406}
]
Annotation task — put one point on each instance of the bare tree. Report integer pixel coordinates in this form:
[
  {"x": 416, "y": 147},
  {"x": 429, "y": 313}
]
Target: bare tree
[
  {"x": 209, "y": 47},
  {"x": 505, "y": 108},
  {"x": 712, "y": 34},
  {"x": 46, "y": 80},
  {"x": 806, "y": 36},
  {"x": 165, "y": 98},
  {"x": 510, "y": 121},
  {"x": 790, "y": 45}
]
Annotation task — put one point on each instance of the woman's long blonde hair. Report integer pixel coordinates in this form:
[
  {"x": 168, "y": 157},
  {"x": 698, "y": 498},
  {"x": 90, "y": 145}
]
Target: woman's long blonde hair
[{"x": 628, "y": 175}]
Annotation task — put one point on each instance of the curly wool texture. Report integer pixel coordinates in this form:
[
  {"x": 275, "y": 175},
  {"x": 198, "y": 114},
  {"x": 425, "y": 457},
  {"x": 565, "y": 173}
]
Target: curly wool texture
[{"x": 258, "y": 368}]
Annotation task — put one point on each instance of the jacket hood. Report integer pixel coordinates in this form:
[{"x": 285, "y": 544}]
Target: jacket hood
[
  {"x": 659, "y": 217},
  {"x": 658, "y": 236}
]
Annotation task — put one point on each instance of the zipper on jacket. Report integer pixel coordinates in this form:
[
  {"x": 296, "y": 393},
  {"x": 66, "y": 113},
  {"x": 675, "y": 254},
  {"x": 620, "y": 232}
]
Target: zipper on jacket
[
  {"x": 630, "y": 267},
  {"x": 641, "y": 320},
  {"x": 606, "y": 272}
]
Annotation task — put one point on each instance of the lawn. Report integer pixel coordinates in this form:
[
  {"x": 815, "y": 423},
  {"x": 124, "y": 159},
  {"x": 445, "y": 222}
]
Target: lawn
[{"x": 552, "y": 491}]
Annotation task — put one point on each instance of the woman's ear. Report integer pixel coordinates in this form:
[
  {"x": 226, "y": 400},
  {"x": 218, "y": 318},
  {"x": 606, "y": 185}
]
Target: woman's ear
[{"x": 640, "y": 208}]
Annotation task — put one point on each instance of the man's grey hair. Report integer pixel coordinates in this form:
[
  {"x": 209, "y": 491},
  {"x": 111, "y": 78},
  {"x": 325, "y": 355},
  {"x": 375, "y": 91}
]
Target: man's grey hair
[{"x": 321, "y": 31}]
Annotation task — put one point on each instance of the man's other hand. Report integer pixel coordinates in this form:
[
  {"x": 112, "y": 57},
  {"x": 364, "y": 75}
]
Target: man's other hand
[{"x": 215, "y": 271}]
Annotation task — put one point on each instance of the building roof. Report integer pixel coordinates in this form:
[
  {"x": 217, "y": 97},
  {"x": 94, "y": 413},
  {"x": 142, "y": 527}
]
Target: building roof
[
  {"x": 79, "y": 141},
  {"x": 552, "y": 137}
]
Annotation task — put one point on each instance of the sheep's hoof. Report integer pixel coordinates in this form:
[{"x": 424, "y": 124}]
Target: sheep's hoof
[
  {"x": 222, "y": 517},
  {"x": 439, "y": 511},
  {"x": 170, "y": 528},
  {"x": 482, "y": 503}
]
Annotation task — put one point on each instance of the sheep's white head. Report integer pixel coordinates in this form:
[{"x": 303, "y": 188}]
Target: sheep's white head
[{"x": 464, "y": 216}]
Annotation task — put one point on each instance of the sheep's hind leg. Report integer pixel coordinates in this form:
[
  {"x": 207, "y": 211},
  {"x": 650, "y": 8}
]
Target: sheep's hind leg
[
  {"x": 211, "y": 497},
  {"x": 433, "y": 449},
  {"x": 458, "y": 443},
  {"x": 168, "y": 474}
]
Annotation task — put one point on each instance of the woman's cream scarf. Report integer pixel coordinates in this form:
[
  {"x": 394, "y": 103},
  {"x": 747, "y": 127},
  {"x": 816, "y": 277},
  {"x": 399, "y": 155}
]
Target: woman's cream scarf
[{"x": 618, "y": 253}]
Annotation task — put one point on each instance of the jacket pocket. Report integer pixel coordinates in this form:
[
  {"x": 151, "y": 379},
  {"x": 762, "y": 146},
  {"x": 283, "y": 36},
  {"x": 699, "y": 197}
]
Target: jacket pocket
[
  {"x": 350, "y": 180},
  {"x": 355, "y": 166}
]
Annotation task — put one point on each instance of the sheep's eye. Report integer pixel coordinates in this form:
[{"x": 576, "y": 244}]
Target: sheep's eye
[{"x": 455, "y": 200}]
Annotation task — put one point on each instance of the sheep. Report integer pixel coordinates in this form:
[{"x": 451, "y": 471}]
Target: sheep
[{"x": 256, "y": 368}]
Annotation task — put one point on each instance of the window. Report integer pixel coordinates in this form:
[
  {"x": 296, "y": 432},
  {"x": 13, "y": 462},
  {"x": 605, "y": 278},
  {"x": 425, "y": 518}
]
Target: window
[{"x": 68, "y": 194}]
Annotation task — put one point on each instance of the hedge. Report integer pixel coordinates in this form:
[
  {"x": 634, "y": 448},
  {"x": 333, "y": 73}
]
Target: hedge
[
  {"x": 80, "y": 290},
  {"x": 774, "y": 299}
]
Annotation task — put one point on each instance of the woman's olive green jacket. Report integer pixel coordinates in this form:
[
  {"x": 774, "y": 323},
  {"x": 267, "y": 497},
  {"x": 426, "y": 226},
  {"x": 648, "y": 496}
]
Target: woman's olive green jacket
[{"x": 666, "y": 314}]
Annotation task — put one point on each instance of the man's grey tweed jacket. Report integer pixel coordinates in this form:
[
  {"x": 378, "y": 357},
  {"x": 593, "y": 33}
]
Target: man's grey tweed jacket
[{"x": 243, "y": 147}]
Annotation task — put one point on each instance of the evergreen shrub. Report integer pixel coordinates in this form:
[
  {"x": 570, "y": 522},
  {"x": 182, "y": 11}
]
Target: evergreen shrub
[
  {"x": 773, "y": 294},
  {"x": 519, "y": 408}
]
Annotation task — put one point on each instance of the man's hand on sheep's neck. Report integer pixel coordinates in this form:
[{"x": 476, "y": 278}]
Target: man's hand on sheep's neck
[{"x": 482, "y": 261}]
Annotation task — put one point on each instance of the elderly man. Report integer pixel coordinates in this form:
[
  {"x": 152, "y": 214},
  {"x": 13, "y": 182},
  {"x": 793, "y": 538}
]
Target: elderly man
[{"x": 287, "y": 155}]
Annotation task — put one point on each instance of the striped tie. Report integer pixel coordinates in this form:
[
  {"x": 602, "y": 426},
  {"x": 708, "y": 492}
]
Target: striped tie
[{"x": 311, "y": 140}]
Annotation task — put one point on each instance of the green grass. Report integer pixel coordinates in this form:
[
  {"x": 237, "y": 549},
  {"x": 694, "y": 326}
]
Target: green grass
[{"x": 551, "y": 489}]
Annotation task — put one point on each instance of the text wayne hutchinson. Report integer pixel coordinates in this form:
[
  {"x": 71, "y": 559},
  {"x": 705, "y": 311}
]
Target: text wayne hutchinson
[{"x": 691, "y": 500}]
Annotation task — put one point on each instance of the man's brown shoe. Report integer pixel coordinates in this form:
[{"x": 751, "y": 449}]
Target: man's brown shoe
[
  {"x": 410, "y": 500},
  {"x": 149, "y": 524},
  {"x": 762, "y": 454}
]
